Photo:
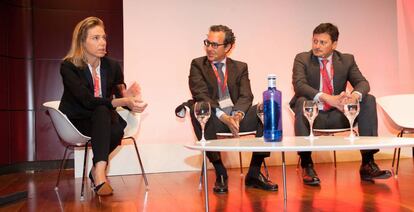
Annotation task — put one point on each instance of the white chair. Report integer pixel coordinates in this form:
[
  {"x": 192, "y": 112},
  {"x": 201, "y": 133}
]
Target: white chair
[
  {"x": 133, "y": 122},
  {"x": 399, "y": 110},
  {"x": 68, "y": 133},
  {"x": 325, "y": 132}
]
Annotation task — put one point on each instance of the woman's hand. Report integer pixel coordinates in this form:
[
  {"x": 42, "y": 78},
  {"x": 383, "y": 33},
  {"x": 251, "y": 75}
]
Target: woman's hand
[
  {"x": 135, "y": 104},
  {"x": 133, "y": 91}
]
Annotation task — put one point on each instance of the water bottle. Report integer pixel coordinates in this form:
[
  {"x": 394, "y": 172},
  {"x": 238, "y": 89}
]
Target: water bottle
[{"x": 272, "y": 109}]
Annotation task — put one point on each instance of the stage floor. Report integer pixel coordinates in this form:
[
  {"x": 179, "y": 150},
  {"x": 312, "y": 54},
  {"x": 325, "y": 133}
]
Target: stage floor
[{"x": 340, "y": 190}]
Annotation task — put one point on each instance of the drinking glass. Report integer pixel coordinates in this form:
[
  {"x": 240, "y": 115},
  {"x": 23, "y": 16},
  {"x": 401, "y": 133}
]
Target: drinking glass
[
  {"x": 202, "y": 111},
  {"x": 259, "y": 111},
  {"x": 310, "y": 111},
  {"x": 351, "y": 111}
]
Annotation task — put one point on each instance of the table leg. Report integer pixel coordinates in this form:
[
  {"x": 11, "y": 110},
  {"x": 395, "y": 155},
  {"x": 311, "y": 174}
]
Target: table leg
[
  {"x": 284, "y": 176},
  {"x": 205, "y": 180}
]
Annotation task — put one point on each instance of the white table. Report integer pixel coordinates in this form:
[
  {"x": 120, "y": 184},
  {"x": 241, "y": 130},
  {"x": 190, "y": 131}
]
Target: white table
[{"x": 294, "y": 144}]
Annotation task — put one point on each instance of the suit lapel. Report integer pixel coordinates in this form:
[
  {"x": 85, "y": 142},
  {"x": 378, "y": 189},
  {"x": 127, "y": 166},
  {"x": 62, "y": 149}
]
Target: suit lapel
[
  {"x": 338, "y": 70},
  {"x": 104, "y": 77},
  {"x": 315, "y": 75},
  {"x": 231, "y": 74},
  {"x": 88, "y": 76},
  {"x": 211, "y": 77}
]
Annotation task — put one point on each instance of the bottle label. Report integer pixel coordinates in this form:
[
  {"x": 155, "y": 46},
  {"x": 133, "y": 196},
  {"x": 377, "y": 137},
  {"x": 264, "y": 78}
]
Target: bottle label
[{"x": 272, "y": 121}]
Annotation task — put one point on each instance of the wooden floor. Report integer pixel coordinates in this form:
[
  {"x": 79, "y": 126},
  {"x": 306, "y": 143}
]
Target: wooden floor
[{"x": 341, "y": 190}]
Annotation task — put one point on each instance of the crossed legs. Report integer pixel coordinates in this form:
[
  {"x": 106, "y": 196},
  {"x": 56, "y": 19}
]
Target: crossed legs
[{"x": 106, "y": 129}]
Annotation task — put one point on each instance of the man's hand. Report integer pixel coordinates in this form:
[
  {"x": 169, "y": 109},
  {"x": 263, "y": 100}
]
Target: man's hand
[
  {"x": 232, "y": 122},
  {"x": 336, "y": 101},
  {"x": 354, "y": 97},
  {"x": 238, "y": 116}
]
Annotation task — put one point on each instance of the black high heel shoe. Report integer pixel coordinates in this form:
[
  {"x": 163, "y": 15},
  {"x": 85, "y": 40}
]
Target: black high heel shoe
[{"x": 103, "y": 189}]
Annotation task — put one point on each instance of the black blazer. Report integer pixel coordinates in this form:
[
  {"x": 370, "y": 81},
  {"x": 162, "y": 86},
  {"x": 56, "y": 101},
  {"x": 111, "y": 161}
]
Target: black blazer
[
  {"x": 78, "y": 99},
  {"x": 306, "y": 75},
  {"x": 203, "y": 83}
]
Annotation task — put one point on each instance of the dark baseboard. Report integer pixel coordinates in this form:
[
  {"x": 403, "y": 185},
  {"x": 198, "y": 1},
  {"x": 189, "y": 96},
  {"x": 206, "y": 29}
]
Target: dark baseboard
[
  {"x": 9, "y": 198},
  {"x": 35, "y": 166}
]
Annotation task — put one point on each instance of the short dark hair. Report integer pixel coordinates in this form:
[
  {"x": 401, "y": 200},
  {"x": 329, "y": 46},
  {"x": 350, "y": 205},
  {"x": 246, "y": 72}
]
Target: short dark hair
[
  {"x": 328, "y": 28},
  {"x": 229, "y": 35}
]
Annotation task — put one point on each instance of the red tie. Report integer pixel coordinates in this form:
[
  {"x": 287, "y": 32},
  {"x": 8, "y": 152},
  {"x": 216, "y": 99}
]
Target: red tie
[
  {"x": 96, "y": 84},
  {"x": 326, "y": 82}
]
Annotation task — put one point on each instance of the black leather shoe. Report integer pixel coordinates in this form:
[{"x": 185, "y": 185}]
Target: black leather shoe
[
  {"x": 309, "y": 175},
  {"x": 371, "y": 171},
  {"x": 220, "y": 186},
  {"x": 261, "y": 183}
]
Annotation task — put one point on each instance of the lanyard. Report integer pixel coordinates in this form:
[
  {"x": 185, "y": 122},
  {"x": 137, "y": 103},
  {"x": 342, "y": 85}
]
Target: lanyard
[{"x": 224, "y": 84}]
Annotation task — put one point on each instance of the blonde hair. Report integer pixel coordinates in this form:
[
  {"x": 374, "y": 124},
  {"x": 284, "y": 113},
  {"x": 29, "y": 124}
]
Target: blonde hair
[{"x": 76, "y": 53}]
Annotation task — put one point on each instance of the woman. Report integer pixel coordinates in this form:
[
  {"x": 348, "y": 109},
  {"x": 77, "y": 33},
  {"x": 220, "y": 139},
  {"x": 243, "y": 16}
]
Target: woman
[{"x": 93, "y": 87}]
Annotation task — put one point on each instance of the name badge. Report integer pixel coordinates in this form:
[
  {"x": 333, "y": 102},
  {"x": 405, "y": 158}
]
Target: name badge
[{"x": 224, "y": 103}]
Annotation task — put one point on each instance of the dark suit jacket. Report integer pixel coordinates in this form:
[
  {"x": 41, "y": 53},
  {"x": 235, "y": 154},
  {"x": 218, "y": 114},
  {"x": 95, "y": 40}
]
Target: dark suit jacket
[
  {"x": 78, "y": 99},
  {"x": 203, "y": 83},
  {"x": 306, "y": 75}
]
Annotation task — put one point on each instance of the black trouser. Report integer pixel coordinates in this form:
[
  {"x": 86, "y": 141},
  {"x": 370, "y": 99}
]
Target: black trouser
[
  {"x": 250, "y": 122},
  {"x": 106, "y": 129},
  {"x": 332, "y": 119}
]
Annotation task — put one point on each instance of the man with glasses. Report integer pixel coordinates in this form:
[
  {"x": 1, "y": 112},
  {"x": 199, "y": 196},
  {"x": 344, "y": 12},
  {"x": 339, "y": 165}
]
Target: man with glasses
[
  {"x": 322, "y": 75},
  {"x": 225, "y": 84}
]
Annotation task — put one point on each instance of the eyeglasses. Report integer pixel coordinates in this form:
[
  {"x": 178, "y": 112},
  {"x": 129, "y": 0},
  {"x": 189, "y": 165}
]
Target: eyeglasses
[{"x": 215, "y": 45}]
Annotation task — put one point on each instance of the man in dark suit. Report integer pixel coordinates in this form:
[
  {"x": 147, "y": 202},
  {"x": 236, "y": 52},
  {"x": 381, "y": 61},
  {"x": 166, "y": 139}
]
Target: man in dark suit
[
  {"x": 322, "y": 75},
  {"x": 225, "y": 84}
]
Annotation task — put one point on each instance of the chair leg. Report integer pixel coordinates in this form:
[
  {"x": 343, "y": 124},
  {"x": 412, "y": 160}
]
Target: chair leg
[
  {"x": 398, "y": 153},
  {"x": 140, "y": 163},
  {"x": 62, "y": 163},
  {"x": 85, "y": 157},
  {"x": 393, "y": 158},
  {"x": 334, "y": 158},
  {"x": 266, "y": 170},
  {"x": 297, "y": 165},
  {"x": 398, "y": 161},
  {"x": 241, "y": 163}
]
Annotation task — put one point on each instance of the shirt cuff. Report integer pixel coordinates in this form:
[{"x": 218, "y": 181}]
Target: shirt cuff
[
  {"x": 316, "y": 98},
  {"x": 359, "y": 94},
  {"x": 219, "y": 112}
]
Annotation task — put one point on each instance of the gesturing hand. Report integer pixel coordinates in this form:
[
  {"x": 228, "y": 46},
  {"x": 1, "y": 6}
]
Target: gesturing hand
[{"x": 133, "y": 91}]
